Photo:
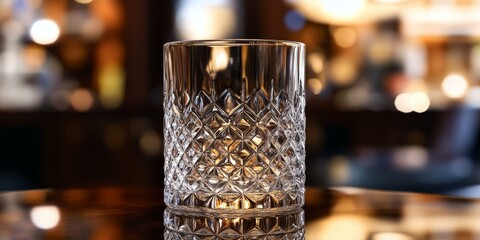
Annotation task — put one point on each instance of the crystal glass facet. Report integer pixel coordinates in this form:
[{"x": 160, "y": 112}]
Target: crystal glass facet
[
  {"x": 280, "y": 225},
  {"x": 234, "y": 125}
]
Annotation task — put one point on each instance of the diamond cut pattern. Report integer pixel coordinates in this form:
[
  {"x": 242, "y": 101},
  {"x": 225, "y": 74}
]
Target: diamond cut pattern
[
  {"x": 184, "y": 226},
  {"x": 222, "y": 153}
]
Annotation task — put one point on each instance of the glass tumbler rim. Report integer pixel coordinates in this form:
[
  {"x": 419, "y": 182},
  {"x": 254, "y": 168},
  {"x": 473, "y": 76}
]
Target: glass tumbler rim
[{"x": 235, "y": 42}]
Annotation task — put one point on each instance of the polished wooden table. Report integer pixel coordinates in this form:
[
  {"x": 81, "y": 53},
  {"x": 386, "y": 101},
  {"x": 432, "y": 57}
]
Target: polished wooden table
[{"x": 109, "y": 213}]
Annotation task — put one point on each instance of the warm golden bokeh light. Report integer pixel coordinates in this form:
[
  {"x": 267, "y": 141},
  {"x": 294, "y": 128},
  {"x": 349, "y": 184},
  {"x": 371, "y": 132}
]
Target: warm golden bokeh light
[
  {"x": 412, "y": 102},
  {"x": 81, "y": 100},
  {"x": 455, "y": 86},
  {"x": 315, "y": 85},
  {"x": 150, "y": 143},
  {"x": 391, "y": 1},
  {"x": 344, "y": 37},
  {"x": 402, "y": 103},
  {"x": 205, "y": 20},
  {"x": 45, "y": 217},
  {"x": 343, "y": 70},
  {"x": 342, "y": 9},
  {"x": 111, "y": 82},
  {"x": 44, "y": 31},
  {"x": 420, "y": 102},
  {"x": 84, "y": 1},
  {"x": 335, "y": 227},
  {"x": 316, "y": 62},
  {"x": 391, "y": 236},
  {"x": 35, "y": 57}
]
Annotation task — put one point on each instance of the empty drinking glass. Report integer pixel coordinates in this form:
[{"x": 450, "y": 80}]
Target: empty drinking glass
[{"x": 234, "y": 125}]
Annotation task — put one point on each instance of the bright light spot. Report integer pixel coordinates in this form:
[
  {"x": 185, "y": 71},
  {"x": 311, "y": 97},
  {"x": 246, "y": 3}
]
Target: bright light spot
[
  {"x": 345, "y": 37},
  {"x": 44, "y": 31},
  {"x": 454, "y": 86},
  {"x": 416, "y": 102},
  {"x": 294, "y": 20},
  {"x": 402, "y": 103},
  {"x": 391, "y": 1},
  {"x": 391, "y": 236},
  {"x": 343, "y": 70},
  {"x": 420, "y": 102},
  {"x": 45, "y": 217},
  {"x": 150, "y": 143},
  {"x": 334, "y": 227},
  {"x": 316, "y": 62},
  {"x": 342, "y": 9},
  {"x": 315, "y": 85},
  {"x": 199, "y": 19},
  {"x": 219, "y": 60},
  {"x": 81, "y": 100},
  {"x": 111, "y": 86},
  {"x": 84, "y": 1}
]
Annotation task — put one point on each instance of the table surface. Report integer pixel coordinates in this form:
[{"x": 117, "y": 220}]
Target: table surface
[{"x": 137, "y": 213}]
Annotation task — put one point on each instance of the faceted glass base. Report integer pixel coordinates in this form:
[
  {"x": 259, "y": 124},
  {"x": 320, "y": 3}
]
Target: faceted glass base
[
  {"x": 270, "y": 225},
  {"x": 172, "y": 235},
  {"x": 235, "y": 202}
]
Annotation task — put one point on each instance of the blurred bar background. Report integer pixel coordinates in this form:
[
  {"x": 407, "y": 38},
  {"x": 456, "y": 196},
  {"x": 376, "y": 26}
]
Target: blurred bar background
[{"x": 393, "y": 87}]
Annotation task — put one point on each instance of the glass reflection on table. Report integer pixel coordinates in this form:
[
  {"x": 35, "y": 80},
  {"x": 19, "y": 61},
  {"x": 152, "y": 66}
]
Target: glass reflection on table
[
  {"x": 266, "y": 225},
  {"x": 111, "y": 213}
]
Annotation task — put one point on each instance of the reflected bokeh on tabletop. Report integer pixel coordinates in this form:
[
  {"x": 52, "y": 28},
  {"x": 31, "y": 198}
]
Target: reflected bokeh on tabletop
[{"x": 135, "y": 213}]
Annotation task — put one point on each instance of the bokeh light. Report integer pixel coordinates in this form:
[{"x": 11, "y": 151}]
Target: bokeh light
[
  {"x": 381, "y": 50},
  {"x": 391, "y": 1},
  {"x": 342, "y": 8},
  {"x": 344, "y": 37},
  {"x": 412, "y": 102},
  {"x": 315, "y": 85},
  {"x": 111, "y": 83},
  {"x": 294, "y": 20},
  {"x": 199, "y": 19},
  {"x": 343, "y": 70},
  {"x": 316, "y": 62},
  {"x": 454, "y": 86},
  {"x": 420, "y": 102},
  {"x": 84, "y": 1},
  {"x": 45, "y": 217},
  {"x": 150, "y": 143},
  {"x": 44, "y": 31},
  {"x": 81, "y": 100},
  {"x": 335, "y": 228},
  {"x": 391, "y": 236}
]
